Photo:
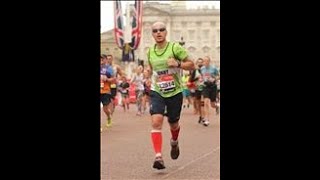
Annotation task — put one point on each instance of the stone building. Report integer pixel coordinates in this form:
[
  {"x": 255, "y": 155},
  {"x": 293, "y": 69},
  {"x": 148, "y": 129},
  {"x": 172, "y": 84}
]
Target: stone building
[{"x": 199, "y": 28}]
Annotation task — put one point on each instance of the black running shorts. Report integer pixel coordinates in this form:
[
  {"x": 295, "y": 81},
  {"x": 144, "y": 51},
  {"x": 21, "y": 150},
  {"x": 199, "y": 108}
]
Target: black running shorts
[
  {"x": 105, "y": 99},
  {"x": 210, "y": 92},
  {"x": 173, "y": 104}
]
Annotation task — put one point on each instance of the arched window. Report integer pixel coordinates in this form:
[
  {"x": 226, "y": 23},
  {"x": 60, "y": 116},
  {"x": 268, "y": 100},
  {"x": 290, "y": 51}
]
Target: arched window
[
  {"x": 191, "y": 49},
  {"x": 206, "y": 49}
]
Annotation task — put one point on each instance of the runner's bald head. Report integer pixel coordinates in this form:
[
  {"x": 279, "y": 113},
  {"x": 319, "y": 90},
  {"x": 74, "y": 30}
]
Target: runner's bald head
[
  {"x": 158, "y": 25},
  {"x": 159, "y": 33}
]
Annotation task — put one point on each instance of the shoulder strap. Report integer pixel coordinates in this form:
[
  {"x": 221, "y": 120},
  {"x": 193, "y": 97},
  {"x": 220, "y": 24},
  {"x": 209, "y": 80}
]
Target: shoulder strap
[
  {"x": 149, "y": 55},
  {"x": 173, "y": 51}
]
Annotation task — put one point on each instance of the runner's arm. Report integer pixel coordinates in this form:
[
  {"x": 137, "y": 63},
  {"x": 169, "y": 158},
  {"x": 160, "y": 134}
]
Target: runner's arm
[
  {"x": 183, "y": 61},
  {"x": 119, "y": 70},
  {"x": 187, "y": 64}
]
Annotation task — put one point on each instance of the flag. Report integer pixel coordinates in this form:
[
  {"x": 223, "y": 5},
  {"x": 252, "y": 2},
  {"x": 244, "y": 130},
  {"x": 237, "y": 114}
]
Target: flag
[
  {"x": 118, "y": 24},
  {"x": 136, "y": 24},
  {"x": 128, "y": 27}
]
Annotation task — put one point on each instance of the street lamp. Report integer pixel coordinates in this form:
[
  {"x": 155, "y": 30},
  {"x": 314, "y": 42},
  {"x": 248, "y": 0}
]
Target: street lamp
[
  {"x": 140, "y": 62},
  {"x": 181, "y": 42}
]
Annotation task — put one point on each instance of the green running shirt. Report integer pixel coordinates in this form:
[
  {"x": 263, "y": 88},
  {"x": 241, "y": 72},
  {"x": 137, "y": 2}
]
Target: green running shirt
[{"x": 166, "y": 81}]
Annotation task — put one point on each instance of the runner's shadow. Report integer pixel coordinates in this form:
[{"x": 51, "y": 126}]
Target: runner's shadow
[
  {"x": 161, "y": 172},
  {"x": 164, "y": 172}
]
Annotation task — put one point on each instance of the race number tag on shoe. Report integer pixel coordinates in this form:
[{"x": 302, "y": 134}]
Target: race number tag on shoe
[{"x": 166, "y": 83}]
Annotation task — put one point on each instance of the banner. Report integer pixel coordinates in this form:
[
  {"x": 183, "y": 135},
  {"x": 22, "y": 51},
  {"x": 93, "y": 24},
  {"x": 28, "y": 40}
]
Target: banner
[
  {"x": 118, "y": 24},
  {"x": 136, "y": 24}
]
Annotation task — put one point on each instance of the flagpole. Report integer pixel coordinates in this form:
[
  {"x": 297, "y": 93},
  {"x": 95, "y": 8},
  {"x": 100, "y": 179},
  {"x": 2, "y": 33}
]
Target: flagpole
[{"x": 128, "y": 37}]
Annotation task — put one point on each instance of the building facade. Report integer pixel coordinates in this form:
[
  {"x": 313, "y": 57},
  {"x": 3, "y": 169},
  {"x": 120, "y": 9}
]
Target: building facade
[
  {"x": 199, "y": 28},
  {"x": 108, "y": 45}
]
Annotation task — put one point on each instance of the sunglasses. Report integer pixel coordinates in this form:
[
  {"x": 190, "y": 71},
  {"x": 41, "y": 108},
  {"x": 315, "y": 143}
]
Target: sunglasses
[{"x": 160, "y": 30}]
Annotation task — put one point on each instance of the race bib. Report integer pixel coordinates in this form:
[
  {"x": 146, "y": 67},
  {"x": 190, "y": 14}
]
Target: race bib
[
  {"x": 207, "y": 77},
  {"x": 123, "y": 90},
  {"x": 166, "y": 83}
]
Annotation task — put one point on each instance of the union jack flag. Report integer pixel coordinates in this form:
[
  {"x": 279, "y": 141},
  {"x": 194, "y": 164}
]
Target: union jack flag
[
  {"x": 118, "y": 24},
  {"x": 136, "y": 24}
]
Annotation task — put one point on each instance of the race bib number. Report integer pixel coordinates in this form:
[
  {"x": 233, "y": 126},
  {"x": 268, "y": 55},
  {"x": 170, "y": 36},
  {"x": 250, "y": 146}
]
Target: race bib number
[
  {"x": 166, "y": 83},
  {"x": 113, "y": 85},
  {"x": 207, "y": 77},
  {"x": 123, "y": 90}
]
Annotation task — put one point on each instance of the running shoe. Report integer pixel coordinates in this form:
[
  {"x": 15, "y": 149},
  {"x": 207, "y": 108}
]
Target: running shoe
[
  {"x": 206, "y": 122},
  {"x": 175, "y": 152},
  {"x": 109, "y": 122},
  {"x": 158, "y": 163}
]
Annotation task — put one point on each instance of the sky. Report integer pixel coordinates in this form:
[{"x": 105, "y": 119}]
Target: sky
[{"x": 107, "y": 10}]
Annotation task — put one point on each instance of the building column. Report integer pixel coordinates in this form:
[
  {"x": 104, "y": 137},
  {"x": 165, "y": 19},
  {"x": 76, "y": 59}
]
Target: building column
[{"x": 168, "y": 22}]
